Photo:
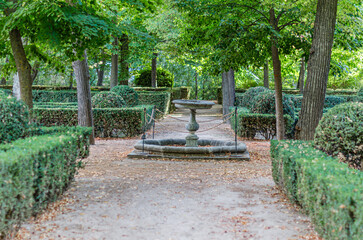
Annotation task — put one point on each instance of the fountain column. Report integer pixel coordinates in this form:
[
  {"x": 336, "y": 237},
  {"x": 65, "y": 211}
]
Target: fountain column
[{"x": 192, "y": 127}]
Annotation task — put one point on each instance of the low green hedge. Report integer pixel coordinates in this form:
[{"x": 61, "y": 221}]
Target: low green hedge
[
  {"x": 161, "y": 100},
  {"x": 329, "y": 191},
  {"x": 108, "y": 122},
  {"x": 249, "y": 124},
  {"x": 330, "y": 101},
  {"x": 56, "y": 104},
  {"x": 36, "y": 171}
]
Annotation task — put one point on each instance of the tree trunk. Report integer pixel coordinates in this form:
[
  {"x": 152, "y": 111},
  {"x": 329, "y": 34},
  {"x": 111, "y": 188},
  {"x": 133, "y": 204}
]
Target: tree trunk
[
  {"x": 35, "y": 71},
  {"x": 101, "y": 69},
  {"x": 266, "y": 83},
  {"x": 153, "y": 70},
  {"x": 71, "y": 80},
  {"x": 114, "y": 67},
  {"x": 196, "y": 85},
  {"x": 23, "y": 67},
  {"x": 318, "y": 69},
  {"x": 225, "y": 92},
  {"x": 231, "y": 88},
  {"x": 81, "y": 72},
  {"x": 3, "y": 81},
  {"x": 301, "y": 81},
  {"x": 124, "y": 66},
  {"x": 280, "y": 125}
]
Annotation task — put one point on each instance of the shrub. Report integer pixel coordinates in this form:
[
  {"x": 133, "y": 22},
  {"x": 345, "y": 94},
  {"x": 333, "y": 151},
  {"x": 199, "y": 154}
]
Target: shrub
[
  {"x": 128, "y": 94},
  {"x": 164, "y": 78},
  {"x": 340, "y": 133},
  {"x": 14, "y": 118},
  {"x": 35, "y": 171},
  {"x": 161, "y": 100},
  {"x": 360, "y": 92},
  {"x": 331, "y": 101},
  {"x": 249, "y": 124},
  {"x": 108, "y": 122},
  {"x": 264, "y": 103},
  {"x": 246, "y": 98},
  {"x": 329, "y": 191},
  {"x": 107, "y": 100}
]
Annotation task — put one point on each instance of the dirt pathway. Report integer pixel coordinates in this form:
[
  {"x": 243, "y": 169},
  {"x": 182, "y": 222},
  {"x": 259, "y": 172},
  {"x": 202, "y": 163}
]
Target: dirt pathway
[{"x": 114, "y": 197}]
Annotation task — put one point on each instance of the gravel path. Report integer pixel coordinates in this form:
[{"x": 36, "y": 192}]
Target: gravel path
[{"x": 114, "y": 197}]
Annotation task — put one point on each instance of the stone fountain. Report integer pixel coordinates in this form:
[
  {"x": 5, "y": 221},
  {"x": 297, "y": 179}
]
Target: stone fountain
[{"x": 191, "y": 147}]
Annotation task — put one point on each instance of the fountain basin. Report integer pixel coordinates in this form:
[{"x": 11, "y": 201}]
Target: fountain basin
[
  {"x": 176, "y": 149},
  {"x": 193, "y": 104}
]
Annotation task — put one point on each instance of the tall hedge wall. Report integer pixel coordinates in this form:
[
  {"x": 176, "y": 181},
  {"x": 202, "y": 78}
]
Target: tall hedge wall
[
  {"x": 35, "y": 171},
  {"x": 108, "y": 122},
  {"x": 329, "y": 191}
]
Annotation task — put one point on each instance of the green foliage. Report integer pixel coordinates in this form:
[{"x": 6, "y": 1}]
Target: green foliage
[
  {"x": 54, "y": 96},
  {"x": 161, "y": 100},
  {"x": 360, "y": 92},
  {"x": 250, "y": 124},
  {"x": 264, "y": 102},
  {"x": 128, "y": 94},
  {"x": 246, "y": 99},
  {"x": 164, "y": 78},
  {"x": 14, "y": 118},
  {"x": 108, "y": 122},
  {"x": 35, "y": 171},
  {"x": 329, "y": 191},
  {"x": 340, "y": 133},
  {"x": 107, "y": 100}
]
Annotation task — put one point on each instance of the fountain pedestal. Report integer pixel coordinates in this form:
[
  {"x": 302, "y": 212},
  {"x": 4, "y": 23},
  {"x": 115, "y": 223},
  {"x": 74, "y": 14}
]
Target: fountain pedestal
[{"x": 192, "y": 127}]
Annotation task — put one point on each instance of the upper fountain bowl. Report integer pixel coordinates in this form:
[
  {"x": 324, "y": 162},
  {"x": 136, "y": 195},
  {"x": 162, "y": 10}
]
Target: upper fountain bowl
[{"x": 193, "y": 104}]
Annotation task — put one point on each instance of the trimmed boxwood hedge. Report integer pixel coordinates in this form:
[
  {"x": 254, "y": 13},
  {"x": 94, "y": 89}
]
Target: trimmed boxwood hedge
[
  {"x": 128, "y": 94},
  {"x": 14, "y": 118},
  {"x": 161, "y": 100},
  {"x": 164, "y": 78},
  {"x": 107, "y": 100},
  {"x": 340, "y": 133},
  {"x": 329, "y": 191},
  {"x": 36, "y": 171},
  {"x": 108, "y": 122},
  {"x": 249, "y": 124}
]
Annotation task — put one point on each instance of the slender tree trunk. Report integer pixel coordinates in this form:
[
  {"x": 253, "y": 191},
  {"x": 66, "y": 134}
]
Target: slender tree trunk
[
  {"x": 301, "y": 81},
  {"x": 114, "y": 67},
  {"x": 35, "y": 71},
  {"x": 280, "y": 125},
  {"x": 101, "y": 69},
  {"x": 196, "y": 85},
  {"x": 231, "y": 88},
  {"x": 23, "y": 67},
  {"x": 124, "y": 66},
  {"x": 154, "y": 71},
  {"x": 203, "y": 88},
  {"x": 266, "y": 83},
  {"x": 3, "y": 81},
  {"x": 71, "y": 80},
  {"x": 81, "y": 72},
  {"x": 318, "y": 69}
]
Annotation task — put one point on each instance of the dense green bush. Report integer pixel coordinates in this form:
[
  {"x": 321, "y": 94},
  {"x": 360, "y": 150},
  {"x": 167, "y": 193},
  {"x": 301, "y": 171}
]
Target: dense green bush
[
  {"x": 130, "y": 96},
  {"x": 14, "y": 118},
  {"x": 35, "y": 171},
  {"x": 246, "y": 99},
  {"x": 264, "y": 102},
  {"x": 340, "y": 133},
  {"x": 108, "y": 122},
  {"x": 360, "y": 92},
  {"x": 107, "y": 100},
  {"x": 161, "y": 100},
  {"x": 164, "y": 78},
  {"x": 54, "y": 96},
  {"x": 56, "y": 104},
  {"x": 249, "y": 124},
  {"x": 329, "y": 191}
]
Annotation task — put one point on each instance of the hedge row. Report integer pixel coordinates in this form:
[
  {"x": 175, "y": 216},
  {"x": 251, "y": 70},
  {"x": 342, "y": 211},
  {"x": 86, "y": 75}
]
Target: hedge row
[
  {"x": 330, "y": 101},
  {"x": 329, "y": 191},
  {"x": 249, "y": 124},
  {"x": 36, "y": 171},
  {"x": 161, "y": 100},
  {"x": 108, "y": 122},
  {"x": 52, "y": 88}
]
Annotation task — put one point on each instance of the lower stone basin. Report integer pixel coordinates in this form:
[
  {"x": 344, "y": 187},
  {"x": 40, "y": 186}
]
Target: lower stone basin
[{"x": 175, "y": 148}]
